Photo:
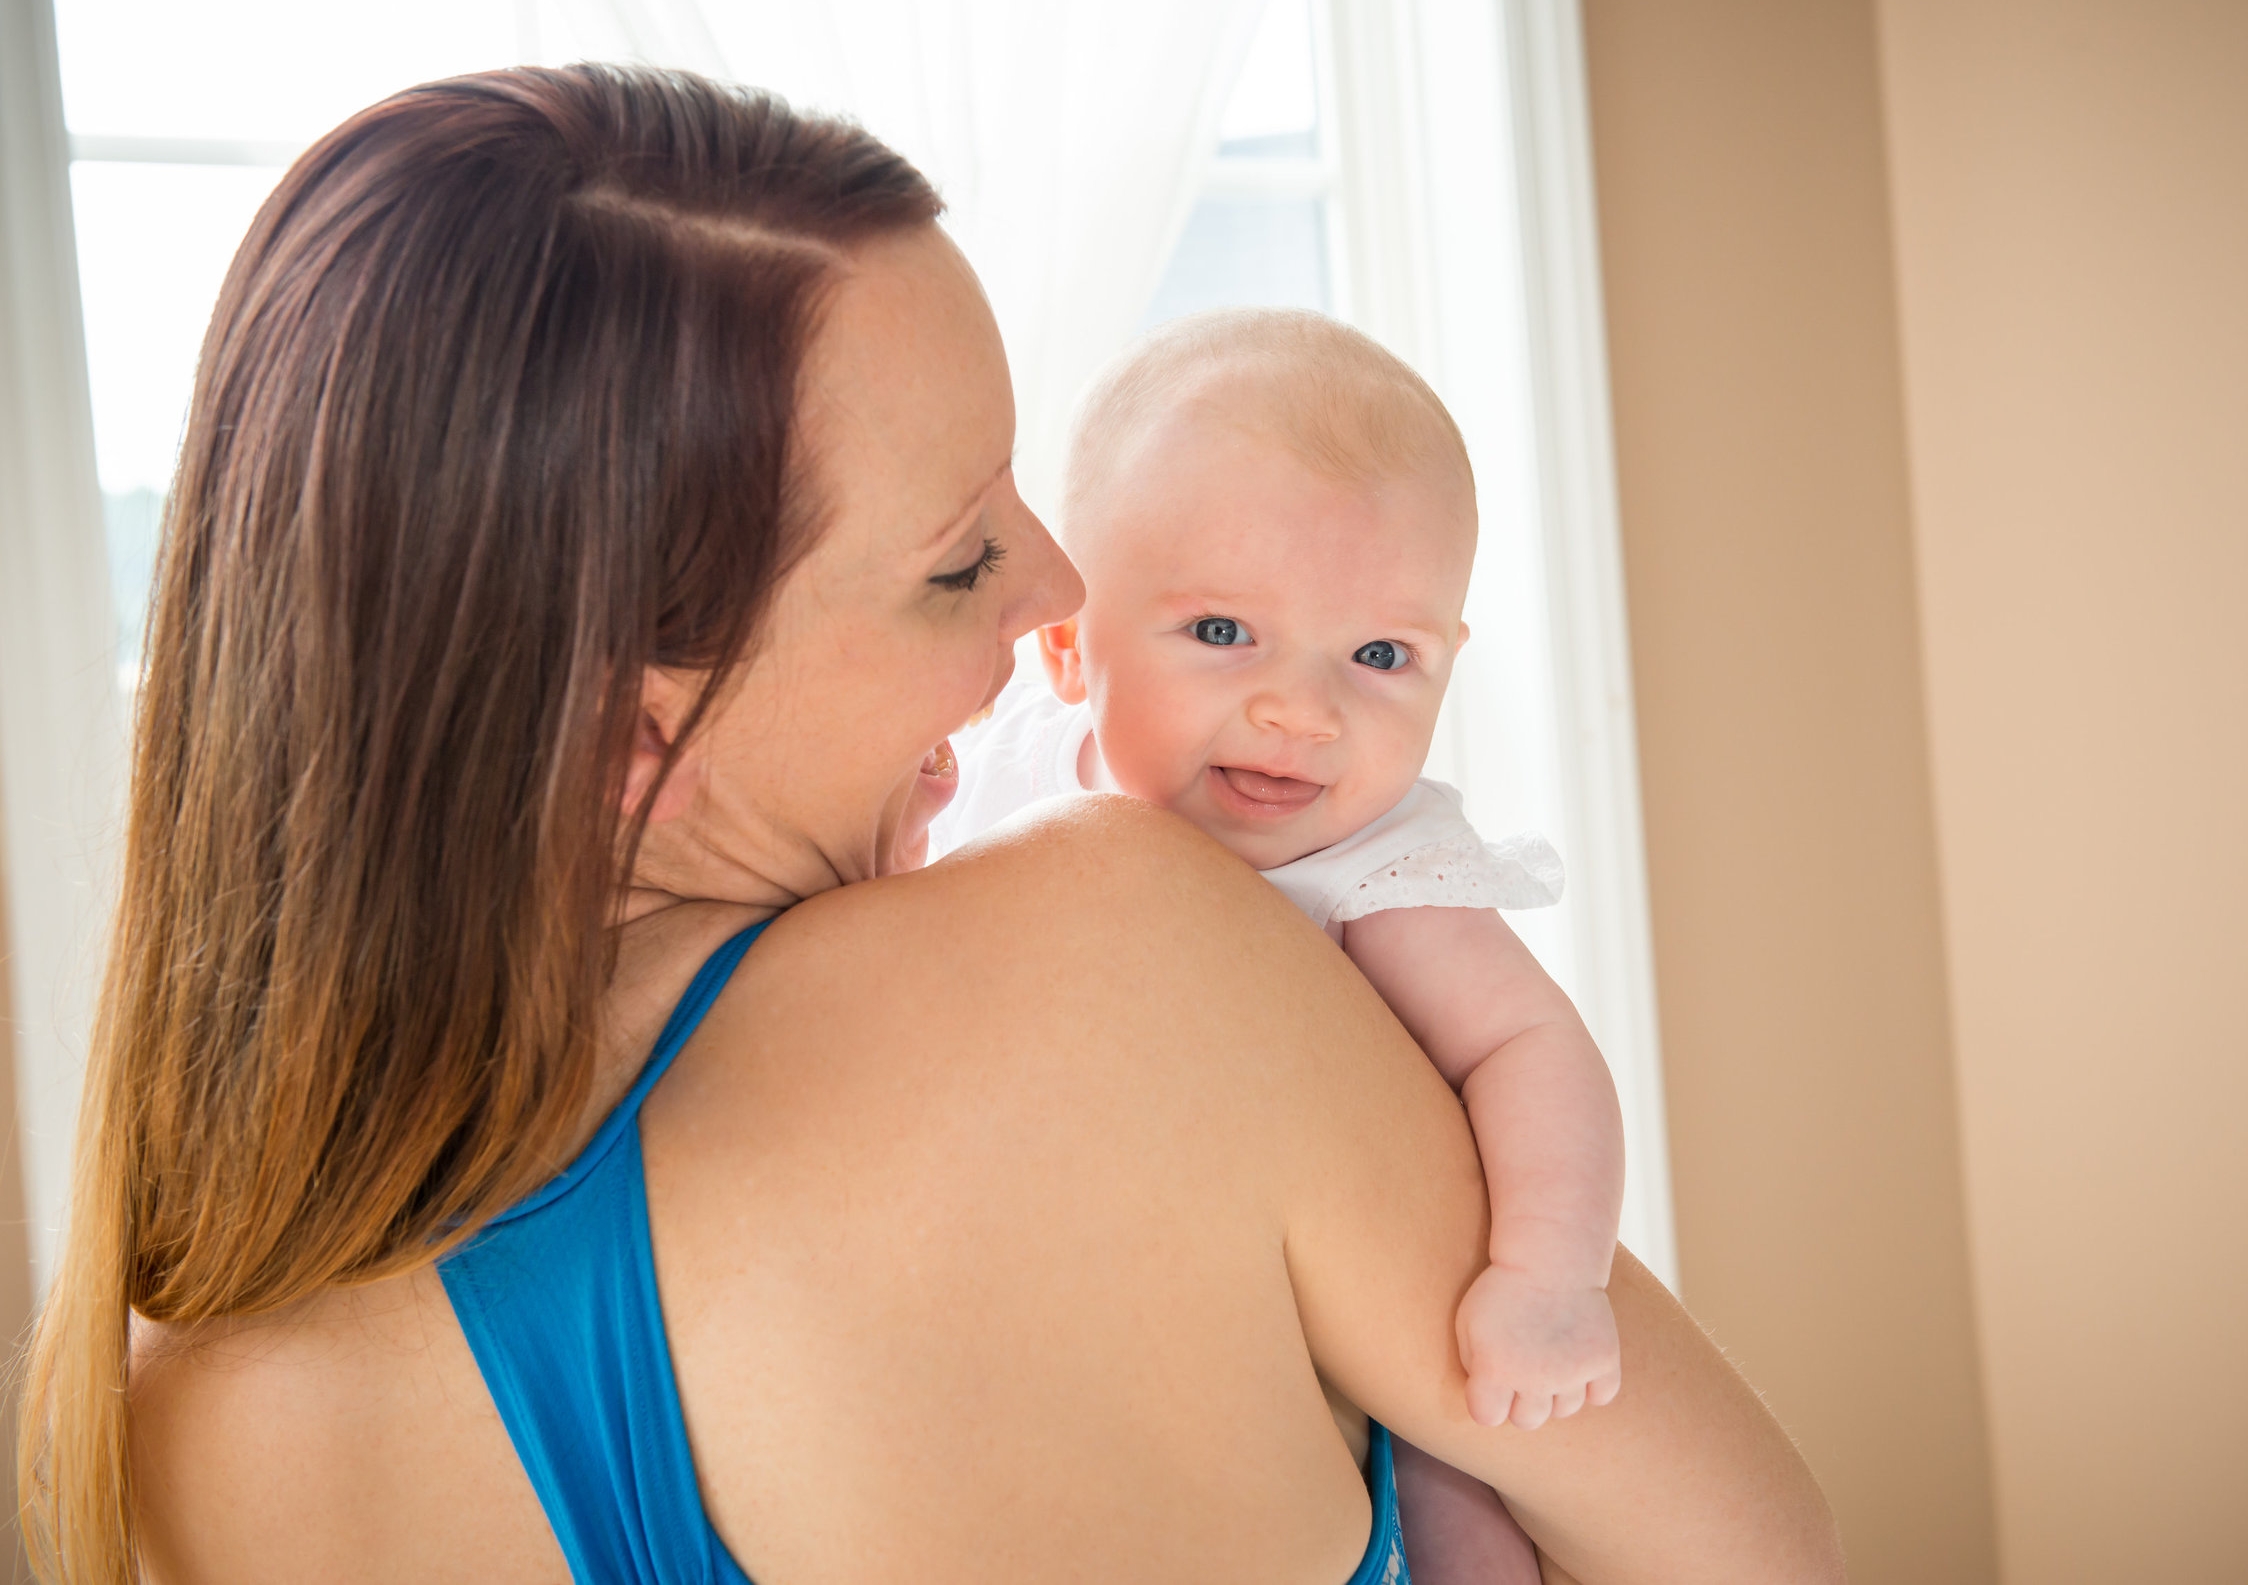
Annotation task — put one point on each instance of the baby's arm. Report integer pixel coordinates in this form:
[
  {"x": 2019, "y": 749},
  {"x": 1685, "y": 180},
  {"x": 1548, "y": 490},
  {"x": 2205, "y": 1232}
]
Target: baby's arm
[{"x": 1536, "y": 1334}]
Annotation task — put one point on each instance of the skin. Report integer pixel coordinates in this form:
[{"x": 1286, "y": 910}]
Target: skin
[
  {"x": 1279, "y": 744},
  {"x": 1011, "y": 1217},
  {"x": 1283, "y": 739}
]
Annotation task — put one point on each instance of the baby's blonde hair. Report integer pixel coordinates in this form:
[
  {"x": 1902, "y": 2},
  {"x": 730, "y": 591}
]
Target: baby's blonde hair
[{"x": 1334, "y": 396}]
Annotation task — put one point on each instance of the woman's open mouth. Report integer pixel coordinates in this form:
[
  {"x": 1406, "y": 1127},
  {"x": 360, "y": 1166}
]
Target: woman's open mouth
[
  {"x": 940, "y": 776},
  {"x": 933, "y": 787},
  {"x": 1259, "y": 793}
]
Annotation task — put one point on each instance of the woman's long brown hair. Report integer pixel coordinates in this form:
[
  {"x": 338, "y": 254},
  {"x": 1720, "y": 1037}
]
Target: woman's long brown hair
[{"x": 494, "y": 413}]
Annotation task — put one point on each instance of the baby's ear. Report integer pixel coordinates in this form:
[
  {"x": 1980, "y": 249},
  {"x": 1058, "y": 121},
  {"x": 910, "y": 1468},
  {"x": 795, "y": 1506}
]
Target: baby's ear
[{"x": 1065, "y": 665}]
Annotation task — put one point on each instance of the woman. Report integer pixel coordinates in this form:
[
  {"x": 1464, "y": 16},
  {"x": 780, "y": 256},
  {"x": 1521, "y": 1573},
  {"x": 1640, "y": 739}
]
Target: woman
[{"x": 594, "y": 514}]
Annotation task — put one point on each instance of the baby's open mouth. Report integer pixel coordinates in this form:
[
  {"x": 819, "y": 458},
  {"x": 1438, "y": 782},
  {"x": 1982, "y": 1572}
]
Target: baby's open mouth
[
  {"x": 939, "y": 764},
  {"x": 1258, "y": 792}
]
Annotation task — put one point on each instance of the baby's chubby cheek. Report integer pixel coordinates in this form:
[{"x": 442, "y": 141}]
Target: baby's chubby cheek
[
  {"x": 1142, "y": 770},
  {"x": 1150, "y": 745}
]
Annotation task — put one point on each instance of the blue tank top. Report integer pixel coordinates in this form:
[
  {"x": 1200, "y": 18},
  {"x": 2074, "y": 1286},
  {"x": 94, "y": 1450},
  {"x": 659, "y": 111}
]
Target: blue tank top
[{"x": 557, "y": 1297}]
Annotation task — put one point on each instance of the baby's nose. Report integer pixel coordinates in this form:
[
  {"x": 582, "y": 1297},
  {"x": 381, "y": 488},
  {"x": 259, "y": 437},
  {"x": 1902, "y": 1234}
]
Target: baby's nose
[{"x": 1303, "y": 711}]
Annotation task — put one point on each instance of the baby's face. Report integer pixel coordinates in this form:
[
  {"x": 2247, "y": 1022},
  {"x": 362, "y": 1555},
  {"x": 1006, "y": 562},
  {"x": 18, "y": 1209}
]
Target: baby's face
[{"x": 1265, "y": 648}]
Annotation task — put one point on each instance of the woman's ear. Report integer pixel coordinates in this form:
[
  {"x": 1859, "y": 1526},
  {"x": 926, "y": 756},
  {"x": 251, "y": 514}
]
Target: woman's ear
[
  {"x": 1065, "y": 663},
  {"x": 665, "y": 701}
]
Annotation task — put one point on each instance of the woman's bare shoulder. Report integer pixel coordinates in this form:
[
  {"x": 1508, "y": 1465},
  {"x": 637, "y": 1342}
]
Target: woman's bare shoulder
[
  {"x": 1179, "y": 1022},
  {"x": 1021, "y": 1142},
  {"x": 1101, "y": 938},
  {"x": 1123, "y": 1018},
  {"x": 1101, "y": 861}
]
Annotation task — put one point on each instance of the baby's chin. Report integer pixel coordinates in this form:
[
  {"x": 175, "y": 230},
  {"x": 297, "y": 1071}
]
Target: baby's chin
[
  {"x": 1269, "y": 851},
  {"x": 1265, "y": 846},
  {"x": 1266, "y": 840}
]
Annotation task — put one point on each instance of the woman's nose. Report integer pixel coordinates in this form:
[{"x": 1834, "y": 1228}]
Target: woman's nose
[{"x": 1046, "y": 586}]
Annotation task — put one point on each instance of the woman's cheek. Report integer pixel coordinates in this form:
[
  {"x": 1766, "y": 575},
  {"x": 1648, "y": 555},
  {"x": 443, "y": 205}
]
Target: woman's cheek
[{"x": 968, "y": 686}]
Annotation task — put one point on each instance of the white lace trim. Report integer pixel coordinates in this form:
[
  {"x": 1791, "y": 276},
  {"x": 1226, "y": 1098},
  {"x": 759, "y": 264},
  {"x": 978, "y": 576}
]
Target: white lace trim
[{"x": 1522, "y": 871}]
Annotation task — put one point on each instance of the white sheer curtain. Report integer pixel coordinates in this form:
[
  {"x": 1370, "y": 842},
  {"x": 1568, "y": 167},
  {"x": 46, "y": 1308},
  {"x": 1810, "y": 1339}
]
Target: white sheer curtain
[
  {"x": 1466, "y": 182},
  {"x": 1067, "y": 136},
  {"x": 61, "y": 737}
]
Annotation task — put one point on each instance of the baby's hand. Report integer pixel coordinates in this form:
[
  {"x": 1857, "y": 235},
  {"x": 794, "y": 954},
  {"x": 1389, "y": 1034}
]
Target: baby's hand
[{"x": 1536, "y": 1353}]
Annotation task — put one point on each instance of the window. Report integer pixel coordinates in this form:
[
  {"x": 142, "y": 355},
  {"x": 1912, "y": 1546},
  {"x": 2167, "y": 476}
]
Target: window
[
  {"x": 1417, "y": 168},
  {"x": 1258, "y": 233},
  {"x": 153, "y": 243},
  {"x": 176, "y": 137}
]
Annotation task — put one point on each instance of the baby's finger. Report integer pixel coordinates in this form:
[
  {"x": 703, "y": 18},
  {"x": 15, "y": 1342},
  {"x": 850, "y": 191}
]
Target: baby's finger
[
  {"x": 1487, "y": 1403},
  {"x": 1531, "y": 1410},
  {"x": 1568, "y": 1401},
  {"x": 1604, "y": 1388}
]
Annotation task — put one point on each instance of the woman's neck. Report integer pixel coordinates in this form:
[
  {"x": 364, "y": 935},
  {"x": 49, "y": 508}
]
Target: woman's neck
[{"x": 661, "y": 942}]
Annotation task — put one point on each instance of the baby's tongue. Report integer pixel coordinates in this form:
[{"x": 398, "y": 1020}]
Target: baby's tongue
[{"x": 1282, "y": 791}]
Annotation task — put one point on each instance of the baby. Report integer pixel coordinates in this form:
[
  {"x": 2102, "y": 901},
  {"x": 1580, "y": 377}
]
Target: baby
[{"x": 1275, "y": 520}]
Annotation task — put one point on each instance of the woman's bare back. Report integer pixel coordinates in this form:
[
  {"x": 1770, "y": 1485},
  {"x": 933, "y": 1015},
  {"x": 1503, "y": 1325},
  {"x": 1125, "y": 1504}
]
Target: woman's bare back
[
  {"x": 1007, "y": 1217},
  {"x": 963, "y": 1273},
  {"x": 992, "y": 1279}
]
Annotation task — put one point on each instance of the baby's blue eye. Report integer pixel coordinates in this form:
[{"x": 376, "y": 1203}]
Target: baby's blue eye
[
  {"x": 1382, "y": 655},
  {"x": 1221, "y": 630}
]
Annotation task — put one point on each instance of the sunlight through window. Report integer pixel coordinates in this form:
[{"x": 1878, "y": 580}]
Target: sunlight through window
[{"x": 1260, "y": 231}]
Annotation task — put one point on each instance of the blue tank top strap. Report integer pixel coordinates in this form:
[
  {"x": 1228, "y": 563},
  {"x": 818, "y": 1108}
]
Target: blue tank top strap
[
  {"x": 557, "y": 1298},
  {"x": 1384, "y": 1562}
]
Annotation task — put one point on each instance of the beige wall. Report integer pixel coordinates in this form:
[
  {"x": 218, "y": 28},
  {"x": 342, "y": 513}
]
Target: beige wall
[
  {"x": 2071, "y": 202},
  {"x": 1768, "y": 552},
  {"x": 1929, "y": 325}
]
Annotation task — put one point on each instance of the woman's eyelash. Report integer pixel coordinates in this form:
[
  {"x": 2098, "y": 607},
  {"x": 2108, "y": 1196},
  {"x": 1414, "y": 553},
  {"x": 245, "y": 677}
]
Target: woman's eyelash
[{"x": 969, "y": 576}]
